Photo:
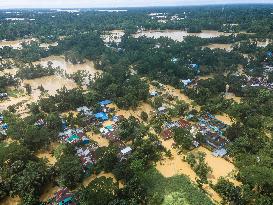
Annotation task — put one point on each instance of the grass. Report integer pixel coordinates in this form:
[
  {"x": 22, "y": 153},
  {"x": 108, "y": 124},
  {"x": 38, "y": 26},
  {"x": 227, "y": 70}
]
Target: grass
[{"x": 176, "y": 190}]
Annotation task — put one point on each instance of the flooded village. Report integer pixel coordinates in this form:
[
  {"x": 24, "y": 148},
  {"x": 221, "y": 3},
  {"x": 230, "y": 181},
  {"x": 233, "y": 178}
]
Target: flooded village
[{"x": 135, "y": 108}]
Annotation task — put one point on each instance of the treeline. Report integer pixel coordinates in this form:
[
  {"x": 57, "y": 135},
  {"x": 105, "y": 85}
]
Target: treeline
[{"x": 194, "y": 19}]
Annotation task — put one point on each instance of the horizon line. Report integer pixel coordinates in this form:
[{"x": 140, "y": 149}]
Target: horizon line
[{"x": 132, "y": 7}]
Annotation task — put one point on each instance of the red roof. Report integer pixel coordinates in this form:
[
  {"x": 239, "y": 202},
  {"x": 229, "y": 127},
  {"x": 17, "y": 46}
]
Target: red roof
[
  {"x": 167, "y": 134},
  {"x": 183, "y": 123}
]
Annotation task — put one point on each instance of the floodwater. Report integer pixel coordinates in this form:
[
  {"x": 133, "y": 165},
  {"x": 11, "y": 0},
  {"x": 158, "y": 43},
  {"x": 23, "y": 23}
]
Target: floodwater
[
  {"x": 48, "y": 192},
  {"x": 50, "y": 83},
  {"x": 113, "y": 36},
  {"x": 224, "y": 118},
  {"x": 17, "y": 43},
  {"x": 227, "y": 47},
  {"x": 46, "y": 154},
  {"x": 179, "y": 35},
  {"x": 69, "y": 68},
  {"x": 98, "y": 138},
  {"x": 169, "y": 167},
  {"x": 232, "y": 96},
  {"x": 11, "y": 201},
  {"x": 263, "y": 43},
  {"x": 136, "y": 112},
  {"x": 87, "y": 180},
  {"x": 220, "y": 167}
]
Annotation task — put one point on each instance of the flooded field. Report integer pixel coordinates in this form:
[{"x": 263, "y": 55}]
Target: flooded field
[
  {"x": 17, "y": 43},
  {"x": 232, "y": 96},
  {"x": 179, "y": 35},
  {"x": 46, "y": 154},
  {"x": 224, "y": 118},
  {"x": 113, "y": 36},
  {"x": 11, "y": 201},
  {"x": 50, "y": 83},
  {"x": 98, "y": 138},
  {"x": 220, "y": 166},
  {"x": 87, "y": 180},
  {"x": 227, "y": 47},
  {"x": 48, "y": 192},
  {"x": 69, "y": 68},
  {"x": 169, "y": 167},
  {"x": 136, "y": 112}
]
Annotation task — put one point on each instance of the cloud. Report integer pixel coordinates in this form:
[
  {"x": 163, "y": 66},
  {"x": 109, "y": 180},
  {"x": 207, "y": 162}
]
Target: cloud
[{"x": 112, "y": 3}]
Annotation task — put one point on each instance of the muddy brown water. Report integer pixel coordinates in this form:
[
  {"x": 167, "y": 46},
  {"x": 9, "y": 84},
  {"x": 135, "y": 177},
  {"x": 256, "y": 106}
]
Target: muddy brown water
[
  {"x": 179, "y": 35},
  {"x": 227, "y": 47}
]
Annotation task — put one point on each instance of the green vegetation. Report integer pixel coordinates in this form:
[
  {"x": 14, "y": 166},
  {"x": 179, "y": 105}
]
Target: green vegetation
[{"x": 174, "y": 190}]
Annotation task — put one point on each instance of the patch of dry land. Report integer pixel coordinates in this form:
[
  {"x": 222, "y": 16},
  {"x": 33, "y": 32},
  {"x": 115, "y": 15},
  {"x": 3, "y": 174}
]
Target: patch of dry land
[{"x": 11, "y": 201}]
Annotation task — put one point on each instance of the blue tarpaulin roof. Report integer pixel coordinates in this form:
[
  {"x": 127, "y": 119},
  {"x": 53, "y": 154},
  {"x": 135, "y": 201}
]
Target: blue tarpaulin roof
[
  {"x": 102, "y": 116},
  {"x": 105, "y": 102}
]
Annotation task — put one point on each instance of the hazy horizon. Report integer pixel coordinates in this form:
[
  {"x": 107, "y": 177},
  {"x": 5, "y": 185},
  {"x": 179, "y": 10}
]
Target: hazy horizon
[{"x": 13, "y": 4}]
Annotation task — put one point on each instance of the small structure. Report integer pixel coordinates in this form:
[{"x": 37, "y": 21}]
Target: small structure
[
  {"x": 174, "y": 60},
  {"x": 167, "y": 134},
  {"x": 162, "y": 109},
  {"x": 85, "y": 110},
  {"x": 102, "y": 116},
  {"x": 124, "y": 153},
  {"x": 40, "y": 123},
  {"x": 219, "y": 152},
  {"x": 3, "y": 96},
  {"x": 186, "y": 82},
  {"x": 196, "y": 67},
  {"x": 153, "y": 93},
  {"x": 105, "y": 102}
]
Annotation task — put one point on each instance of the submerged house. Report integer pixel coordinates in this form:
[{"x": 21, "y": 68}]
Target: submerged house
[
  {"x": 105, "y": 102},
  {"x": 186, "y": 82},
  {"x": 124, "y": 153},
  {"x": 73, "y": 136},
  {"x": 101, "y": 116},
  {"x": 167, "y": 134},
  {"x": 85, "y": 110},
  {"x": 62, "y": 197},
  {"x": 3, "y": 96}
]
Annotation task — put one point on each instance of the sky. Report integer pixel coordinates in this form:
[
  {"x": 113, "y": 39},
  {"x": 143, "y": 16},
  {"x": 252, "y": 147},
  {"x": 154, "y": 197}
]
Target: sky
[{"x": 113, "y": 3}]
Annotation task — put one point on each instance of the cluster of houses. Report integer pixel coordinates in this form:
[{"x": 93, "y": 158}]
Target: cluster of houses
[
  {"x": 213, "y": 130},
  {"x": 61, "y": 197},
  {"x": 88, "y": 156},
  {"x": 86, "y": 148},
  {"x": 167, "y": 132},
  {"x": 258, "y": 82},
  {"x": 111, "y": 133},
  {"x": 74, "y": 136},
  {"x": 210, "y": 127}
]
